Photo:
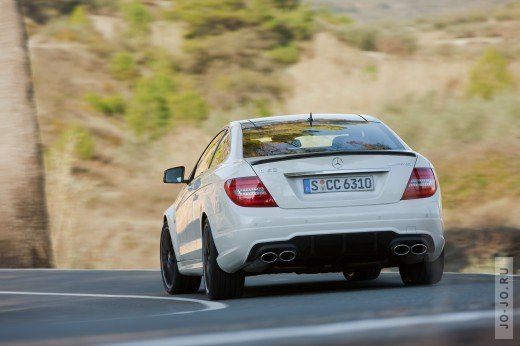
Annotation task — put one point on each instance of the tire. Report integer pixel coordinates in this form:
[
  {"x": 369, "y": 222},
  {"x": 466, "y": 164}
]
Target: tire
[
  {"x": 422, "y": 273},
  {"x": 362, "y": 275},
  {"x": 219, "y": 284},
  {"x": 173, "y": 281}
]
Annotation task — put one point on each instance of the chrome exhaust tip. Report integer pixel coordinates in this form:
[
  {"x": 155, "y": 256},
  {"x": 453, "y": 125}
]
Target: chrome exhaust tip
[
  {"x": 287, "y": 256},
  {"x": 401, "y": 249},
  {"x": 268, "y": 257},
  {"x": 419, "y": 249}
]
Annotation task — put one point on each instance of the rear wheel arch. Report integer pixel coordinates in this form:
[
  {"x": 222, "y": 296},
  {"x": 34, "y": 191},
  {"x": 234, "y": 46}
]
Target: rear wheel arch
[{"x": 169, "y": 221}]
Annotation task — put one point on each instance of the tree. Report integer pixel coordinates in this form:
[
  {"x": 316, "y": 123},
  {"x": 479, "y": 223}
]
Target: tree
[{"x": 24, "y": 233}]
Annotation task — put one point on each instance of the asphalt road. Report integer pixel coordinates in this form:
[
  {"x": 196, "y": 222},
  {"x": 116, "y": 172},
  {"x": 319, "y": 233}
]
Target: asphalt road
[{"x": 61, "y": 307}]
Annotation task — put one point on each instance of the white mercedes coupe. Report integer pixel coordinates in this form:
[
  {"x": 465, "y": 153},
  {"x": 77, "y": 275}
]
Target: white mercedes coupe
[{"x": 304, "y": 194}]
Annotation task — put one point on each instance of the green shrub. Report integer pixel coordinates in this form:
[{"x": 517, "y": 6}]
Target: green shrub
[
  {"x": 490, "y": 75},
  {"x": 137, "y": 16},
  {"x": 262, "y": 108},
  {"x": 396, "y": 42},
  {"x": 371, "y": 71},
  {"x": 287, "y": 25},
  {"x": 211, "y": 17},
  {"x": 241, "y": 48},
  {"x": 108, "y": 105},
  {"x": 123, "y": 66},
  {"x": 79, "y": 16},
  {"x": 332, "y": 18},
  {"x": 242, "y": 86},
  {"x": 389, "y": 40},
  {"x": 285, "y": 54},
  {"x": 362, "y": 37},
  {"x": 157, "y": 101},
  {"x": 188, "y": 105},
  {"x": 149, "y": 113},
  {"x": 282, "y": 20},
  {"x": 159, "y": 61},
  {"x": 78, "y": 140},
  {"x": 75, "y": 27}
]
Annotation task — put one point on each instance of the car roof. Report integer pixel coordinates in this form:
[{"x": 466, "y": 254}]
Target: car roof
[{"x": 315, "y": 116}]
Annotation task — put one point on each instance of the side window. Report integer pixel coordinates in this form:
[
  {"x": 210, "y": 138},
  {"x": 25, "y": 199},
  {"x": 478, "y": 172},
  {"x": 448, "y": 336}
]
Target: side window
[
  {"x": 207, "y": 155},
  {"x": 222, "y": 151}
]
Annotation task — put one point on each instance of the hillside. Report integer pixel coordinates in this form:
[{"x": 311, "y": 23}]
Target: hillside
[
  {"x": 380, "y": 10},
  {"x": 126, "y": 90}
]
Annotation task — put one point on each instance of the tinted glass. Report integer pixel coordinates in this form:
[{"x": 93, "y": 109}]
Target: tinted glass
[
  {"x": 206, "y": 157},
  {"x": 222, "y": 151},
  {"x": 298, "y": 137}
]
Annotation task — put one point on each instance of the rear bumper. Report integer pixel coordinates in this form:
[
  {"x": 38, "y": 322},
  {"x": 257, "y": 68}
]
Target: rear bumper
[
  {"x": 337, "y": 252},
  {"x": 240, "y": 231}
]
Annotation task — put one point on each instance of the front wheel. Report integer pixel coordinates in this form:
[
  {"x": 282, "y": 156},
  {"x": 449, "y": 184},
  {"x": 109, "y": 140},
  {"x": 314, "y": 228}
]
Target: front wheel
[
  {"x": 422, "y": 273},
  {"x": 219, "y": 284},
  {"x": 173, "y": 281}
]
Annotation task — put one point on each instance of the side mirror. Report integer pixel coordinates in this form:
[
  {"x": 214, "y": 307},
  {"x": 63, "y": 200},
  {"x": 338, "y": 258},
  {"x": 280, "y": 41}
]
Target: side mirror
[{"x": 174, "y": 175}]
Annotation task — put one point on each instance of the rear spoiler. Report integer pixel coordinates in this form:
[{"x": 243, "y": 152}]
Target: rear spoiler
[{"x": 331, "y": 153}]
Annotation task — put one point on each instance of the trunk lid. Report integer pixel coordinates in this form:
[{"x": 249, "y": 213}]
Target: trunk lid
[{"x": 283, "y": 177}]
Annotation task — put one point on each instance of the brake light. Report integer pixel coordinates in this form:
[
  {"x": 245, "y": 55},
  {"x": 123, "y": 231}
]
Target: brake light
[
  {"x": 249, "y": 192},
  {"x": 422, "y": 184}
]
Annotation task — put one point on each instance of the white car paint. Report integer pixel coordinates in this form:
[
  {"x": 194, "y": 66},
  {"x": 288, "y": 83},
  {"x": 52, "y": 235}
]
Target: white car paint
[{"x": 237, "y": 229}]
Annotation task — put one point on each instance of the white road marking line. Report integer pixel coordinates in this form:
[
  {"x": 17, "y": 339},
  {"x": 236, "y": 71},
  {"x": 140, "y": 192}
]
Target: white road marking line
[
  {"x": 468, "y": 273},
  {"x": 209, "y": 305},
  {"x": 318, "y": 330},
  {"x": 76, "y": 270}
]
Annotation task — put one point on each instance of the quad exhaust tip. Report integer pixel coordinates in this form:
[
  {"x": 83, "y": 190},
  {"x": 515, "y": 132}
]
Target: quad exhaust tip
[
  {"x": 416, "y": 249},
  {"x": 287, "y": 256},
  {"x": 401, "y": 249},
  {"x": 269, "y": 257},
  {"x": 419, "y": 249}
]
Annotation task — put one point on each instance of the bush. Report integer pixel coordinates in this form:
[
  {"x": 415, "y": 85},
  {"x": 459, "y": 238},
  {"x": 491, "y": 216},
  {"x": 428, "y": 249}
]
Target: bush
[
  {"x": 189, "y": 105},
  {"x": 387, "y": 40},
  {"x": 285, "y": 54},
  {"x": 490, "y": 75},
  {"x": 211, "y": 17},
  {"x": 241, "y": 86},
  {"x": 262, "y": 108},
  {"x": 157, "y": 101},
  {"x": 287, "y": 25},
  {"x": 108, "y": 105},
  {"x": 362, "y": 37},
  {"x": 396, "y": 42},
  {"x": 137, "y": 16},
  {"x": 79, "y": 16},
  {"x": 149, "y": 114},
  {"x": 75, "y": 27},
  {"x": 239, "y": 48},
  {"x": 326, "y": 15},
  {"x": 283, "y": 21},
  {"x": 123, "y": 66},
  {"x": 371, "y": 71},
  {"x": 78, "y": 140}
]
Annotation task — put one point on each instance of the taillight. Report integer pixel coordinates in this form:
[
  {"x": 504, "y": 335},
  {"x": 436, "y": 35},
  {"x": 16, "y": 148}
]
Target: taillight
[
  {"x": 249, "y": 192},
  {"x": 422, "y": 184}
]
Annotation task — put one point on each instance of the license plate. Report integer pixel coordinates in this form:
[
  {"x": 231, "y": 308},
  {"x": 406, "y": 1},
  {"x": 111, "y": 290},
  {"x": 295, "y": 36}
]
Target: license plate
[{"x": 338, "y": 184}]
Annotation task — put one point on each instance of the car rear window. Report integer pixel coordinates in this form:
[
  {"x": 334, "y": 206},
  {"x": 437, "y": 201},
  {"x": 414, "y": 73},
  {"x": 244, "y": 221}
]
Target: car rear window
[{"x": 296, "y": 137}]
